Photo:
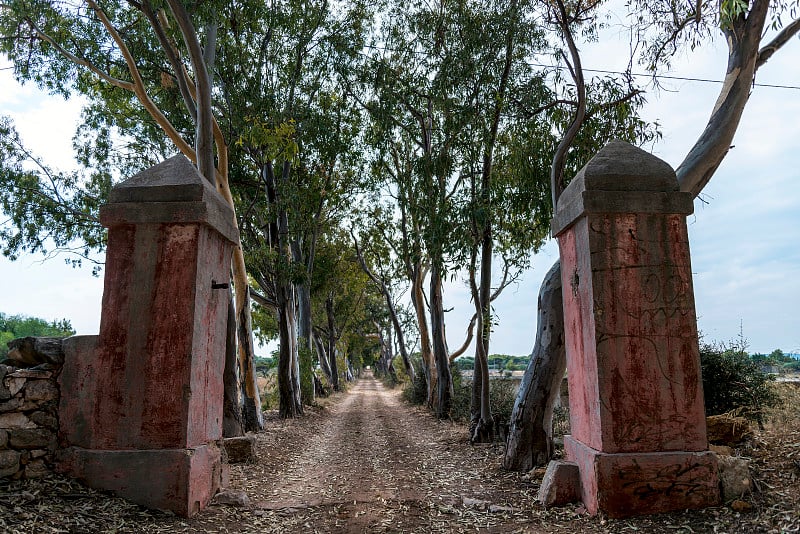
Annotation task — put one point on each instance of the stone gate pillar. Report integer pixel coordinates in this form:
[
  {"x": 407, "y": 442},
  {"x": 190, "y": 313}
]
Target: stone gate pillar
[
  {"x": 141, "y": 407},
  {"x": 636, "y": 400}
]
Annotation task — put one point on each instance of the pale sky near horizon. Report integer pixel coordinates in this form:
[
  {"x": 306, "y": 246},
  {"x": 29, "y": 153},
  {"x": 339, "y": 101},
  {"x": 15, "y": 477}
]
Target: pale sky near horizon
[{"x": 744, "y": 236}]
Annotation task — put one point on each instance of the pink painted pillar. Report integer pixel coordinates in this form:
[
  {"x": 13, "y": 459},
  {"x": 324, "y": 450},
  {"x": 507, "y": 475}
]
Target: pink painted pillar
[
  {"x": 141, "y": 407},
  {"x": 636, "y": 400}
]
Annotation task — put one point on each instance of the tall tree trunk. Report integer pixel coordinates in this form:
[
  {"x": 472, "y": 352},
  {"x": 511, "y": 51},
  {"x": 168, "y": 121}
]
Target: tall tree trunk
[
  {"x": 332, "y": 343},
  {"x": 288, "y": 384},
  {"x": 483, "y": 427},
  {"x": 231, "y": 409},
  {"x": 322, "y": 355},
  {"x": 389, "y": 355},
  {"x": 381, "y": 367},
  {"x": 444, "y": 387},
  {"x": 295, "y": 353},
  {"x": 253, "y": 418},
  {"x": 290, "y": 400},
  {"x": 428, "y": 361},
  {"x": 304, "y": 342},
  {"x": 530, "y": 436}
]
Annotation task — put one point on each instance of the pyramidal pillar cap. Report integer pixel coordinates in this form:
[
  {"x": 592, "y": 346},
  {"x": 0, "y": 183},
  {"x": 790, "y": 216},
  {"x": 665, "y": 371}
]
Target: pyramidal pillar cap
[
  {"x": 171, "y": 192},
  {"x": 621, "y": 178}
]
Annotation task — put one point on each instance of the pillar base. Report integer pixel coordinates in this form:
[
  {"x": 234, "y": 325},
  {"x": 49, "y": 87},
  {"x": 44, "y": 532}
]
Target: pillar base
[
  {"x": 180, "y": 480},
  {"x": 629, "y": 484}
]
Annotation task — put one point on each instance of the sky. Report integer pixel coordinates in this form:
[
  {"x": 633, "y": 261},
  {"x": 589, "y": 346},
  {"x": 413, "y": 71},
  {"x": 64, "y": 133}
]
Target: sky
[{"x": 744, "y": 234}]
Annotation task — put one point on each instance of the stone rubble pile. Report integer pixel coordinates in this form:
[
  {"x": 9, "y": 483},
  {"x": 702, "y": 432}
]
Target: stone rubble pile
[{"x": 28, "y": 421}]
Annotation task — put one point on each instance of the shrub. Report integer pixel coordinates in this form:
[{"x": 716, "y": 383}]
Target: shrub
[
  {"x": 734, "y": 382},
  {"x": 268, "y": 390},
  {"x": 416, "y": 391},
  {"x": 462, "y": 397},
  {"x": 502, "y": 395}
]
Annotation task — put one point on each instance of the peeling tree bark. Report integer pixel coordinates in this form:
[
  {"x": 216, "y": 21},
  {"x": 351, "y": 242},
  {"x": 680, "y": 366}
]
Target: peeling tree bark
[
  {"x": 428, "y": 361},
  {"x": 304, "y": 341},
  {"x": 530, "y": 438},
  {"x": 334, "y": 366},
  {"x": 444, "y": 387},
  {"x": 322, "y": 354},
  {"x": 231, "y": 410},
  {"x": 702, "y": 161}
]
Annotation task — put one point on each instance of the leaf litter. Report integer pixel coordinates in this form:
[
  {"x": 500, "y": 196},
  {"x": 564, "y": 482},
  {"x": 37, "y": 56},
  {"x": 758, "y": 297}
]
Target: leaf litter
[{"x": 366, "y": 462}]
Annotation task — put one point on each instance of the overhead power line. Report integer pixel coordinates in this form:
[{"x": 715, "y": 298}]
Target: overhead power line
[
  {"x": 665, "y": 76},
  {"x": 604, "y": 71}
]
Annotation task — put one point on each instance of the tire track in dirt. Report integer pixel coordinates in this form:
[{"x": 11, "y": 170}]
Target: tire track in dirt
[
  {"x": 352, "y": 458},
  {"x": 370, "y": 463}
]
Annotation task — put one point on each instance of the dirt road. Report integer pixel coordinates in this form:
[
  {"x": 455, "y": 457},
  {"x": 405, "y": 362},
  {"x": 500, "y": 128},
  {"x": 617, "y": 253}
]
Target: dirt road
[
  {"x": 364, "y": 452},
  {"x": 365, "y": 461},
  {"x": 372, "y": 464}
]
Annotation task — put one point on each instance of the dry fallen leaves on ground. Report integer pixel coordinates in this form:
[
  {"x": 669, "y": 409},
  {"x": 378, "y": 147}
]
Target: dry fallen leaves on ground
[{"x": 366, "y": 462}]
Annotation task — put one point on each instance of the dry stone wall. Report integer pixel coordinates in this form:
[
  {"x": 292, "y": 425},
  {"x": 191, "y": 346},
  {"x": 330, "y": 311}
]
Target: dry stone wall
[{"x": 28, "y": 421}]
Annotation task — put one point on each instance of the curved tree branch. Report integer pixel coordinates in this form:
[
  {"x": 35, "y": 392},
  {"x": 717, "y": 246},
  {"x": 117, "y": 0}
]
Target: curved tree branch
[
  {"x": 139, "y": 88},
  {"x": 204, "y": 139},
  {"x": 173, "y": 57},
  {"x": 702, "y": 161},
  {"x": 560, "y": 156},
  {"x": 470, "y": 334},
  {"x": 122, "y": 84},
  {"x": 781, "y": 39}
]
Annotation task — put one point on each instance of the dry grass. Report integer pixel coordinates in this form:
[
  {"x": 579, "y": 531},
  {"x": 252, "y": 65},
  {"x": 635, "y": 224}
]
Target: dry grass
[{"x": 785, "y": 416}]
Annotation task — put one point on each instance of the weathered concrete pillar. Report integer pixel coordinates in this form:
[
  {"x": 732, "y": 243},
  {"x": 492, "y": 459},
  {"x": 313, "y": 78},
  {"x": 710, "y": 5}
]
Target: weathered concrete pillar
[
  {"x": 636, "y": 400},
  {"x": 142, "y": 412}
]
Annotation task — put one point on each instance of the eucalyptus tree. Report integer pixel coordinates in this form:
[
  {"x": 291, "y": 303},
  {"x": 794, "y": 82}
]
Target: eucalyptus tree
[
  {"x": 122, "y": 56},
  {"x": 494, "y": 43},
  {"x": 435, "y": 78},
  {"x": 269, "y": 68},
  {"x": 664, "y": 29},
  {"x": 375, "y": 258},
  {"x": 343, "y": 300},
  {"x": 298, "y": 136}
]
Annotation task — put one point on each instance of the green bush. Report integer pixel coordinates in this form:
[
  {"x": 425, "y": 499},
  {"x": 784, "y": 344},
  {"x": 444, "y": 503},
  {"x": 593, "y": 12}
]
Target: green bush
[
  {"x": 16, "y": 326},
  {"x": 732, "y": 381},
  {"x": 462, "y": 397},
  {"x": 389, "y": 380},
  {"x": 416, "y": 391},
  {"x": 502, "y": 395},
  {"x": 268, "y": 391}
]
